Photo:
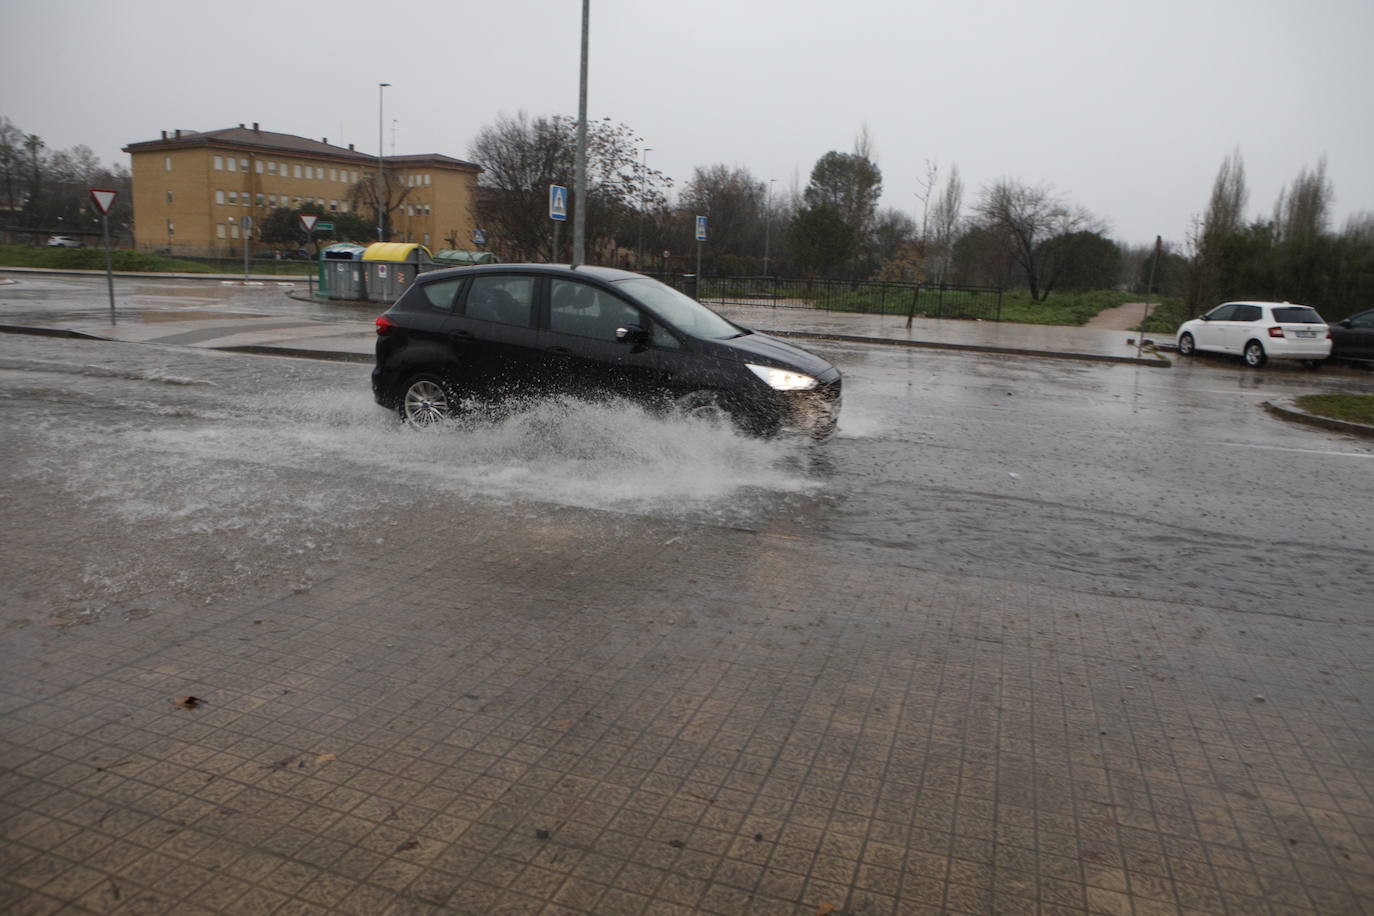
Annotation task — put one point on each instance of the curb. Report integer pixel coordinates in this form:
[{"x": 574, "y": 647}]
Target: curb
[{"x": 1292, "y": 413}]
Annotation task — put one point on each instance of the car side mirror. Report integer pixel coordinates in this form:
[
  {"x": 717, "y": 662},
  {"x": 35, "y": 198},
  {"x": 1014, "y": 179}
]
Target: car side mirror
[
  {"x": 632, "y": 334},
  {"x": 1206, "y": 317},
  {"x": 1345, "y": 323}
]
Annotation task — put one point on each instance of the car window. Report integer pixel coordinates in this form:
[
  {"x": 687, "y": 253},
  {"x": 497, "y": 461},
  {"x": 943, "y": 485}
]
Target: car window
[
  {"x": 441, "y": 294},
  {"x": 1247, "y": 313},
  {"x": 500, "y": 297},
  {"x": 1222, "y": 313},
  {"x": 1363, "y": 320},
  {"x": 577, "y": 308},
  {"x": 681, "y": 311},
  {"x": 1297, "y": 314}
]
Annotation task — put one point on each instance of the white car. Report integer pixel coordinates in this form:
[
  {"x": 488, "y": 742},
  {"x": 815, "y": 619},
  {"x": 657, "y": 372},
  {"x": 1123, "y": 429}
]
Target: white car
[
  {"x": 1259, "y": 331},
  {"x": 63, "y": 241}
]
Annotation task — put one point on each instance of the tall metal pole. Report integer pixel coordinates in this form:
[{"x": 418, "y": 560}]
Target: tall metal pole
[
  {"x": 1149, "y": 290},
  {"x": 381, "y": 165},
  {"x": 579, "y": 253}
]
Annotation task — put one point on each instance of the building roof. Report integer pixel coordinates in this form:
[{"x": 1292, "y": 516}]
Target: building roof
[{"x": 243, "y": 137}]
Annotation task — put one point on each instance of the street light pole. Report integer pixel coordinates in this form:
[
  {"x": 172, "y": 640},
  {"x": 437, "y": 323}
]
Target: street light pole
[
  {"x": 381, "y": 165},
  {"x": 643, "y": 174},
  {"x": 579, "y": 252}
]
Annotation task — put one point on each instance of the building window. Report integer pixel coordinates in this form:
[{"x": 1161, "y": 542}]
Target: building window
[
  {"x": 243, "y": 164},
  {"x": 219, "y": 230},
  {"x": 355, "y": 177},
  {"x": 260, "y": 166},
  {"x": 298, "y": 171},
  {"x": 334, "y": 205},
  {"x": 219, "y": 163},
  {"x": 166, "y": 163},
  {"x": 229, "y": 164},
  {"x": 271, "y": 168},
  {"x": 234, "y": 230},
  {"x": 343, "y": 207},
  {"x": 426, "y": 181},
  {"x": 233, "y": 198},
  {"x": 169, "y": 197},
  {"x": 260, "y": 200},
  {"x": 219, "y": 197}
]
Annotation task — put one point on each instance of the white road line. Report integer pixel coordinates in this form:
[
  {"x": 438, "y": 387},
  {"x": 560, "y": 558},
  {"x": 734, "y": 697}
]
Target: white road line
[{"x": 1305, "y": 451}]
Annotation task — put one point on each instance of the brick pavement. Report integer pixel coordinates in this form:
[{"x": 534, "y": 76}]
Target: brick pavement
[{"x": 568, "y": 711}]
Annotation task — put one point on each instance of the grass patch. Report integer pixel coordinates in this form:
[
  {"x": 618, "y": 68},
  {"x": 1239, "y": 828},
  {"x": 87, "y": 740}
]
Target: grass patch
[
  {"x": 1166, "y": 316},
  {"x": 1353, "y": 408},
  {"x": 125, "y": 259},
  {"x": 1075, "y": 308}
]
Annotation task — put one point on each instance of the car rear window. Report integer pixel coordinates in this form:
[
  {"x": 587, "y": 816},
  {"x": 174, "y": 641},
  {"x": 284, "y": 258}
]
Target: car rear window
[{"x": 1297, "y": 314}]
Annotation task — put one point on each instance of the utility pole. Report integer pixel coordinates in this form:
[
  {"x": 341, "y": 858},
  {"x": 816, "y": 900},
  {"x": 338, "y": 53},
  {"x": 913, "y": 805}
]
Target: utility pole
[
  {"x": 381, "y": 165},
  {"x": 579, "y": 253}
]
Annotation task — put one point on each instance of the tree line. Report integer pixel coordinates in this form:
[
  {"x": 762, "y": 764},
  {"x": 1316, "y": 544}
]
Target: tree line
[{"x": 48, "y": 191}]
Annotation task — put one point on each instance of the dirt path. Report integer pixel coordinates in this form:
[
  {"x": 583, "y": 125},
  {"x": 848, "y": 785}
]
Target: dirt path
[{"x": 1122, "y": 318}]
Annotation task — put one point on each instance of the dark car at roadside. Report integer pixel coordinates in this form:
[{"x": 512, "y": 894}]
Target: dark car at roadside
[
  {"x": 500, "y": 332},
  {"x": 1353, "y": 338}
]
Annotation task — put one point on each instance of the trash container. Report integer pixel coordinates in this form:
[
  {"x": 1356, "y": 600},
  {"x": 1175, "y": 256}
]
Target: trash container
[
  {"x": 453, "y": 257},
  {"x": 341, "y": 271},
  {"x": 392, "y": 267}
]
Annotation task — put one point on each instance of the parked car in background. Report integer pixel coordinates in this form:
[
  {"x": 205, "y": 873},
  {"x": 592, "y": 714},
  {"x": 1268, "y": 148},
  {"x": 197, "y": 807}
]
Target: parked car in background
[
  {"x": 1258, "y": 332},
  {"x": 518, "y": 330},
  {"x": 63, "y": 241},
  {"x": 1353, "y": 337}
]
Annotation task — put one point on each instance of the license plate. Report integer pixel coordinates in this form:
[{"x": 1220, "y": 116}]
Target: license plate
[{"x": 1307, "y": 333}]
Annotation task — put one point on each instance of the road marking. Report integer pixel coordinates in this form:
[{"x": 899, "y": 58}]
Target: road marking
[{"x": 1304, "y": 451}]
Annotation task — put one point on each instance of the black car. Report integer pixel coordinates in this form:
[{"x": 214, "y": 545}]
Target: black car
[
  {"x": 1353, "y": 337},
  {"x": 477, "y": 334}
]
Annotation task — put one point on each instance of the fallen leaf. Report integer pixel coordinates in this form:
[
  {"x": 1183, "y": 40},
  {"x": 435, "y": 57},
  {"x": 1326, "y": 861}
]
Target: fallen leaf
[
  {"x": 825, "y": 908},
  {"x": 408, "y": 845},
  {"x": 325, "y": 758},
  {"x": 187, "y": 702}
]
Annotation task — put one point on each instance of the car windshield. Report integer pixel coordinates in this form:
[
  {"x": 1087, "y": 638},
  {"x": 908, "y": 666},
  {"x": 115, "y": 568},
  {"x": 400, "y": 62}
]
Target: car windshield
[
  {"x": 1297, "y": 314},
  {"x": 682, "y": 312}
]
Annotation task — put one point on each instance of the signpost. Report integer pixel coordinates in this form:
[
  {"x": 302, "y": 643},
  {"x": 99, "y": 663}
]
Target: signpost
[
  {"x": 104, "y": 199},
  {"x": 479, "y": 237},
  {"x": 308, "y": 223},
  {"x": 701, "y": 238},
  {"x": 247, "y": 236},
  {"x": 558, "y": 212}
]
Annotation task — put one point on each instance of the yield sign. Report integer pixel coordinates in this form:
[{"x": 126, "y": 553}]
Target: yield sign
[
  {"x": 104, "y": 199},
  {"x": 308, "y": 222}
]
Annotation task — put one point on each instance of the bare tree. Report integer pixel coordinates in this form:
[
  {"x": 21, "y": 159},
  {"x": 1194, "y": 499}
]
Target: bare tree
[
  {"x": 1209, "y": 237},
  {"x": 1024, "y": 217},
  {"x": 1303, "y": 213},
  {"x": 948, "y": 207}
]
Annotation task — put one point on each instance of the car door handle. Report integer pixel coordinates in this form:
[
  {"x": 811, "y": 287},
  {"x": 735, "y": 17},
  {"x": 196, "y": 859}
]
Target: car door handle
[{"x": 559, "y": 351}]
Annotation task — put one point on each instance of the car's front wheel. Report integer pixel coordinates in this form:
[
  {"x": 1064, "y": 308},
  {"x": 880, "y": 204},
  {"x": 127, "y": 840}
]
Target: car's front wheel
[
  {"x": 704, "y": 405},
  {"x": 1186, "y": 345},
  {"x": 1254, "y": 354},
  {"x": 427, "y": 399}
]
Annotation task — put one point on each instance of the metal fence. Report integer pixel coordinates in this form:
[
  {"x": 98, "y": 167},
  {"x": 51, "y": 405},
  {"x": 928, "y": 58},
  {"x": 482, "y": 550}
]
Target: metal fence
[{"x": 936, "y": 300}]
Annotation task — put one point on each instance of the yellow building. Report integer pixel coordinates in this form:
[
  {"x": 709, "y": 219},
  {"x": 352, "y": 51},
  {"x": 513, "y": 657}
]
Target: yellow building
[{"x": 193, "y": 190}]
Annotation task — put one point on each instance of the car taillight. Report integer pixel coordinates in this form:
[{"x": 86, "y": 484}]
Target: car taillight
[
  {"x": 1328, "y": 333},
  {"x": 384, "y": 325},
  {"x": 1276, "y": 331}
]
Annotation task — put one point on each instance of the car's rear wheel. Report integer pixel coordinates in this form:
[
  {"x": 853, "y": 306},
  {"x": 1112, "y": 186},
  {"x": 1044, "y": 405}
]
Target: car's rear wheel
[
  {"x": 427, "y": 399},
  {"x": 1254, "y": 354},
  {"x": 1186, "y": 345}
]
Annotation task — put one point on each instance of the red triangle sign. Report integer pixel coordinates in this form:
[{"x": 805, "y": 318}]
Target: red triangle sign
[
  {"x": 308, "y": 222},
  {"x": 104, "y": 199}
]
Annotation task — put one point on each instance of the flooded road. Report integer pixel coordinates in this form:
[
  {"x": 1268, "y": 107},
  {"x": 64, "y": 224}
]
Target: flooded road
[{"x": 1171, "y": 485}]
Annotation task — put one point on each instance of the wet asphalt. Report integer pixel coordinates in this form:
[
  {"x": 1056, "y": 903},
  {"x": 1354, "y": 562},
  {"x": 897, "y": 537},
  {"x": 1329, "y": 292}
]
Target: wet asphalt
[{"x": 1069, "y": 593}]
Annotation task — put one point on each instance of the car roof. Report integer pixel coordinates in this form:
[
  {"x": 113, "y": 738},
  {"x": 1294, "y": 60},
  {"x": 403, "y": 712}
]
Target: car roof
[
  {"x": 1272, "y": 305},
  {"x": 604, "y": 274}
]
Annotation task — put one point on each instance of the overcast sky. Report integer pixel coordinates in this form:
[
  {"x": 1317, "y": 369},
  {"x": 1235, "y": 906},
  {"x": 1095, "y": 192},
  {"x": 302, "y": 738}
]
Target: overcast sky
[{"x": 1125, "y": 108}]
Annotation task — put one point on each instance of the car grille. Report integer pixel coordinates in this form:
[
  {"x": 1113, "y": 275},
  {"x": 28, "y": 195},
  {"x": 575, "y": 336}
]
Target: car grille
[{"x": 817, "y": 412}]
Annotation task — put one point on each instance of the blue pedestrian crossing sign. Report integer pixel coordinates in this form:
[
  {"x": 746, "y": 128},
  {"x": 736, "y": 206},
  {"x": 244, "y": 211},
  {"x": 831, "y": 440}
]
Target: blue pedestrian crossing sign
[
  {"x": 701, "y": 228},
  {"x": 558, "y": 202}
]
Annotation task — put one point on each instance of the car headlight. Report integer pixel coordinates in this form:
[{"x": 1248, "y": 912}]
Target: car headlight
[{"x": 782, "y": 379}]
